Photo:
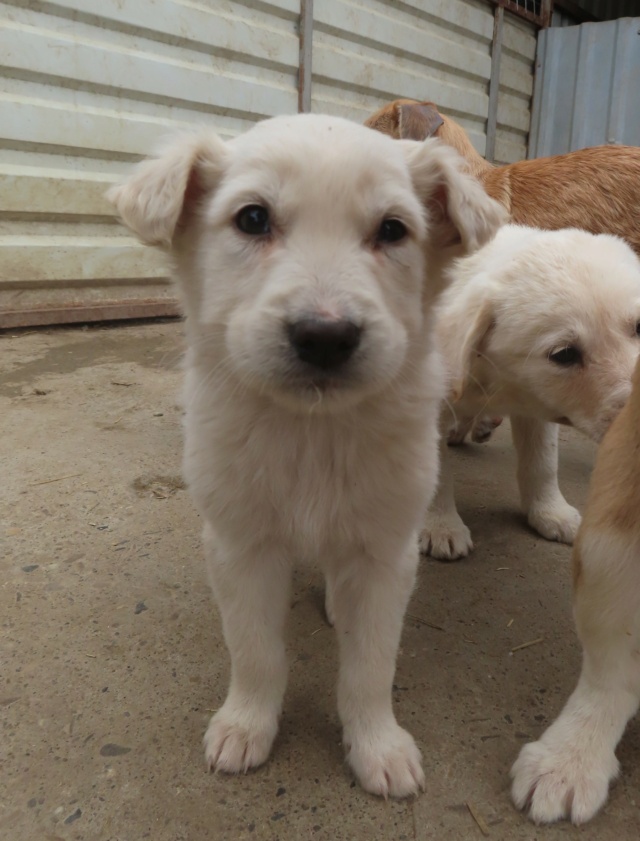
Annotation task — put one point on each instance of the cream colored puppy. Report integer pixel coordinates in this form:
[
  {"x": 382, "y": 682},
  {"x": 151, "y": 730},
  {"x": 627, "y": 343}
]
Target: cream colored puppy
[
  {"x": 542, "y": 326},
  {"x": 567, "y": 772},
  {"x": 306, "y": 252}
]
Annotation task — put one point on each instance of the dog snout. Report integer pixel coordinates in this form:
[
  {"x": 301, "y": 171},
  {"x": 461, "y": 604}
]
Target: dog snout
[{"x": 323, "y": 342}]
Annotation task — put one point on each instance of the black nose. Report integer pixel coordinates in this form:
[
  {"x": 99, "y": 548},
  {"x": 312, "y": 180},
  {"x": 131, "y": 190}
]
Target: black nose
[{"x": 323, "y": 342}]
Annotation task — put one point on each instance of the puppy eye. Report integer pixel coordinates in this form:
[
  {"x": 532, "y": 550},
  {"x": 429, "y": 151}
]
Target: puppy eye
[
  {"x": 566, "y": 356},
  {"x": 391, "y": 230},
  {"x": 253, "y": 220},
  {"x": 638, "y": 329}
]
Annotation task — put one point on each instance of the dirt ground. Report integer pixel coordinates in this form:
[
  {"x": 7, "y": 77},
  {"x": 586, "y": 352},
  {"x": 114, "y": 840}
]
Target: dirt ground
[{"x": 112, "y": 658}]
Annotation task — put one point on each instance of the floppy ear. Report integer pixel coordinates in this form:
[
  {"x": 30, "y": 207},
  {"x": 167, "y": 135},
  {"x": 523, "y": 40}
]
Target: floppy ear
[
  {"x": 460, "y": 211},
  {"x": 417, "y": 120},
  {"x": 464, "y": 321},
  {"x": 163, "y": 189}
]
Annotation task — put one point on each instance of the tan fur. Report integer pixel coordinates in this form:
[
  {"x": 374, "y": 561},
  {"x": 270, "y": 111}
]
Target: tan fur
[
  {"x": 614, "y": 495},
  {"x": 596, "y": 189},
  {"x": 567, "y": 772}
]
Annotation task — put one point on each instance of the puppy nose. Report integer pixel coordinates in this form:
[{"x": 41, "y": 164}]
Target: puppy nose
[{"x": 323, "y": 342}]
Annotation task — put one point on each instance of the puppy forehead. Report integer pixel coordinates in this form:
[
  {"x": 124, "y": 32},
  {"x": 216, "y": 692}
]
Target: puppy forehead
[
  {"x": 568, "y": 285},
  {"x": 305, "y": 156},
  {"x": 574, "y": 265},
  {"x": 315, "y": 131}
]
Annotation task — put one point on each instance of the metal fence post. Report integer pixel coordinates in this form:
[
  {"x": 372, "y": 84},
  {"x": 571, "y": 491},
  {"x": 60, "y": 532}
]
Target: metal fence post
[
  {"x": 494, "y": 83},
  {"x": 306, "y": 50}
]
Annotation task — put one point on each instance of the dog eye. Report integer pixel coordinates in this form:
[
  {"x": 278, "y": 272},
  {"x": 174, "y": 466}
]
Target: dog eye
[
  {"x": 391, "y": 230},
  {"x": 254, "y": 220},
  {"x": 638, "y": 329},
  {"x": 566, "y": 356}
]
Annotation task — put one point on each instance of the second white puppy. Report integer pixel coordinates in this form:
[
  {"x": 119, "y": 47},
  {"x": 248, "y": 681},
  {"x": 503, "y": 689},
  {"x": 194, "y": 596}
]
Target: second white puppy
[
  {"x": 306, "y": 253},
  {"x": 542, "y": 326}
]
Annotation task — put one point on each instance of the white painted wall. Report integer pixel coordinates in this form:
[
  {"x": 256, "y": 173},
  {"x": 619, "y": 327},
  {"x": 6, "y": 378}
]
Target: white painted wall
[{"x": 89, "y": 86}]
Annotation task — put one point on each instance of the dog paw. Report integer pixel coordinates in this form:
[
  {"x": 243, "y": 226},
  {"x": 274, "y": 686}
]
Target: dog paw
[
  {"x": 562, "y": 781},
  {"x": 233, "y": 746},
  {"x": 445, "y": 538},
  {"x": 559, "y": 521},
  {"x": 389, "y": 765},
  {"x": 483, "y": 429}
]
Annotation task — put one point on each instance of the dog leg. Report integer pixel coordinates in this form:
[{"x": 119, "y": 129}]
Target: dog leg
[
  {"x": 547, "y": 511},
  {"x": 445, "y": 535},
  {"x": 567, "y": 772},
  {"x": 369, "y": 601},
  {"x": 253, "y": 594}
]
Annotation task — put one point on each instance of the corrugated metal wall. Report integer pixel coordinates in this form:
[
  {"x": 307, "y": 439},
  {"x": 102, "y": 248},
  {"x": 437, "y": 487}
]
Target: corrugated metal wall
[
  {"x": 88, "y": 86},
  {"x": 586, "y": 90}
]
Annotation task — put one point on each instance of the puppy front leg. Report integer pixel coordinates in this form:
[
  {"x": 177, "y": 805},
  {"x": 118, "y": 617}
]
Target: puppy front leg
[
  {"x": 369, "y": 601},
  {"x": 253, "y": 594},
  {"x": 567, "y": 772},
  {"x": 445, "y": 535},
  {"x": 547, "y": 511}
]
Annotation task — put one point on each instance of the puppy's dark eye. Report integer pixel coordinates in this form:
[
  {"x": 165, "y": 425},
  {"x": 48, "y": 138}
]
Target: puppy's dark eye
[
  {"x": 638, "y": 329},
  {"x": 566, "y": 356},
  {"x": 254, "y": 220},
  {"x": 391, "y": 230}
]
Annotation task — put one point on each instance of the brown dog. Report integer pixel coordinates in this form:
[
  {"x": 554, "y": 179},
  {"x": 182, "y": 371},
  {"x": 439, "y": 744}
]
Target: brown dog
[
  {"x": 567, "y": 772},
  {"x": 596, "y": 189}
]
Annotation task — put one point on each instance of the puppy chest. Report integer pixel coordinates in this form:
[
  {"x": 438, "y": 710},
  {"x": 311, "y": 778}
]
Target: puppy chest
[{"x": 306, "y": 489}]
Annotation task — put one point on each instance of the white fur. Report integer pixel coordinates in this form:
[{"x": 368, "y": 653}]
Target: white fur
[
  {"x": 521, "y": 297},
  {"x": 286, "y": 466}
]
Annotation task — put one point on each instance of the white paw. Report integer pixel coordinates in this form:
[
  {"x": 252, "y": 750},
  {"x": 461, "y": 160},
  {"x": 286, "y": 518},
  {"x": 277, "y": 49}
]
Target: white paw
[
  {"x": 563, "y": 781},
  {"x": 446, "y": 538},
  {"x": 388, "y": 764},
  {"x": 234, "y": 743},
  {"x": 483, "y": 428},
  {"x": 556, "y": 521}
]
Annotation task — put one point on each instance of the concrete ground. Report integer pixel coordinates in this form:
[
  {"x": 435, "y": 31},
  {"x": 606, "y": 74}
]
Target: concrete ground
[{"x": 112, "y": 659}]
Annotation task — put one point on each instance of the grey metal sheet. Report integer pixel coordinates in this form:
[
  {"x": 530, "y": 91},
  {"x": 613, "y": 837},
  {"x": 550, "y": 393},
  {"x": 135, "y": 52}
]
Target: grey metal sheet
[{"x": 587, "y": 90}]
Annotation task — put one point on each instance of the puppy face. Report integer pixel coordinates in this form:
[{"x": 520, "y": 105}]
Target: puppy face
[
  {"x": 302, "y": 249},
  {"x": 321, "y": 247},
  {"x": 560, "y": 323}
]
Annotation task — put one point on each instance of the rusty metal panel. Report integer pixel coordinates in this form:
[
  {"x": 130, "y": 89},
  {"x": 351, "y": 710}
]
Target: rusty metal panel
[
  {"x": 88, "y": 87},
  {"x": 586, "y": 87}
]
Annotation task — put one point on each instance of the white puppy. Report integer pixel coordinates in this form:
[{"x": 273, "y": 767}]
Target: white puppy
[
  {"x": 567, "y": 772},
  {"x": 306, "y": 252},
  {"x": 541, "y": 326}
]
